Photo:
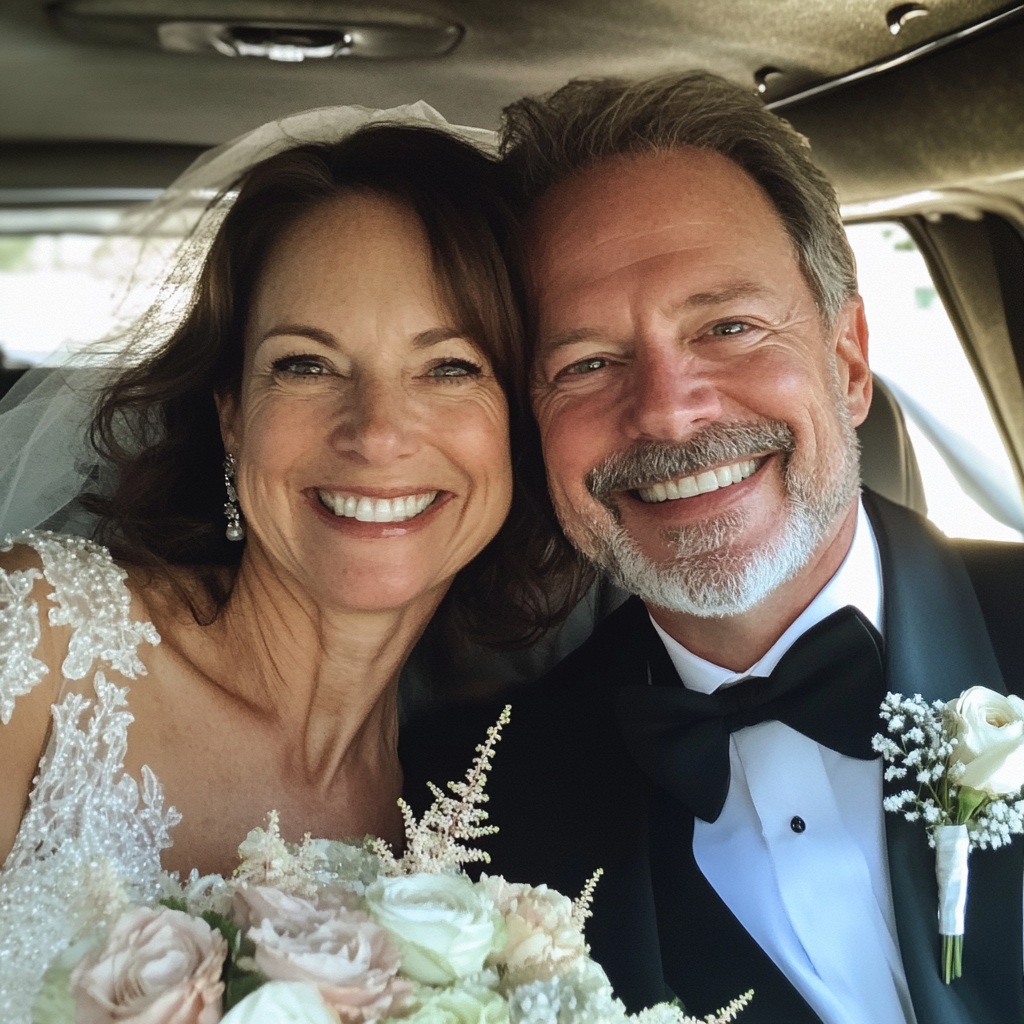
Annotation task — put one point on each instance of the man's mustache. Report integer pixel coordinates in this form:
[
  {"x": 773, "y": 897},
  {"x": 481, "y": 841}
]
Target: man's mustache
[{"x": 650, "y": 462}]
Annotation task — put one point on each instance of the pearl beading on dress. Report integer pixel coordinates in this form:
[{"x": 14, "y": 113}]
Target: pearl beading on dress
[
  {"x": 87, "y": 841},
  {"x": 19, "y": 637}
]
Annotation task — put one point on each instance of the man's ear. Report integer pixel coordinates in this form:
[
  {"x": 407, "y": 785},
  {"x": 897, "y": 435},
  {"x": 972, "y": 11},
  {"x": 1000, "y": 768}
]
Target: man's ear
[
  {"x": 227, "y": 412},
  {"x": 851, "y": 354}
]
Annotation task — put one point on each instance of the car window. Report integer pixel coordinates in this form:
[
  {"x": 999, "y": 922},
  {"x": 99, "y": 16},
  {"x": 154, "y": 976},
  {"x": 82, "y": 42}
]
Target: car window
[
  {"x": 59, "y": 291},
  {"x": 968, "y": 479}
]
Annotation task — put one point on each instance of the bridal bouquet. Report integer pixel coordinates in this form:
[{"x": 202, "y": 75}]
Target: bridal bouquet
[
  {"x": 329, "y": 932},
  {"x": 967, "y": 758}
]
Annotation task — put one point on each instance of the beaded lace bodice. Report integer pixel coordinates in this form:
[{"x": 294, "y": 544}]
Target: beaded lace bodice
[{"x": 86, "y": 816}]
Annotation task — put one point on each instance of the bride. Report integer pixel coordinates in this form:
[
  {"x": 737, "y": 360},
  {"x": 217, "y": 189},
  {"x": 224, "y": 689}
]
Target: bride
[{"x": 302, "y": 468}]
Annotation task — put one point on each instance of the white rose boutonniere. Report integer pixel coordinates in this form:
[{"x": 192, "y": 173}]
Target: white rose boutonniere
[
  {"x": 447, "y": 925},
  {"x": 990, "y": 734},
  {"x": 967, "y": 758}
]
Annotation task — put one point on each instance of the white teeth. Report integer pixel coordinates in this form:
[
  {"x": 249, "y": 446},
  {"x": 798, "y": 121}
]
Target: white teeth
[
  {"x": 699, "y": 483},
  {"x": 376, "y": 510},
  {"x": 706, "y": 482}
]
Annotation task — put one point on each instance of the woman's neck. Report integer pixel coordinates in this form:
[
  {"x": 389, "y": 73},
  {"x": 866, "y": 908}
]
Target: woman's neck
[{"x": 326, "y": 677}]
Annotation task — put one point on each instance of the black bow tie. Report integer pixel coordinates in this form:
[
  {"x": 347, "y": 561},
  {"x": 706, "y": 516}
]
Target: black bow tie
[{"x": 829, "y": 685}]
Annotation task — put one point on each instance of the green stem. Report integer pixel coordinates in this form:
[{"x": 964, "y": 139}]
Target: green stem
[{"x": 952, "y": 957}]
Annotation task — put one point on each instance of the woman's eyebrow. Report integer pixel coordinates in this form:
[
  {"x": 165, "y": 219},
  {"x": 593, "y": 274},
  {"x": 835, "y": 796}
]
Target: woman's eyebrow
[
  {"x": 301, "y": 331},
  {"x": 435, "y": 336}
]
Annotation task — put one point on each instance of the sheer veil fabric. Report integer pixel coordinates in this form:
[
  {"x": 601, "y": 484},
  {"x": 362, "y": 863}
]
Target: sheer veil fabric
[{"x": 46, "y": 459}]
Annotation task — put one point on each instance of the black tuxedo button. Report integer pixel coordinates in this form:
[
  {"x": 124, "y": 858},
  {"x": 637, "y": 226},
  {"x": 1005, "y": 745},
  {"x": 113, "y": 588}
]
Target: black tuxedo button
[{"x": 797, "y": 824}]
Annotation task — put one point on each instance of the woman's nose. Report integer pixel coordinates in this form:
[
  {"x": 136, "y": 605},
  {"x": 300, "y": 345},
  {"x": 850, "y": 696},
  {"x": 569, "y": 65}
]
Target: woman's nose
[{"x": 377, "y": 426}]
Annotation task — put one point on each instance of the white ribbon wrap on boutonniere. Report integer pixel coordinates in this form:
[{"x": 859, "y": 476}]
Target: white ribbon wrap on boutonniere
[
  {"x": 967, "y": 758},
  {"x": 952, "y": 845}
]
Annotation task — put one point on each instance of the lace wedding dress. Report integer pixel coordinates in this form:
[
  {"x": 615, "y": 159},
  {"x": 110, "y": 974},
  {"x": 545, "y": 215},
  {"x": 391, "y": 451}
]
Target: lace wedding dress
[{"x": 86, "y": 818}]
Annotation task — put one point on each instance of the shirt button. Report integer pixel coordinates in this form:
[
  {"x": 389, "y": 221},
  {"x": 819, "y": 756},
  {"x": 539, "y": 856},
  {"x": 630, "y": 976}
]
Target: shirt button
[{"x": 797, "y": 824}]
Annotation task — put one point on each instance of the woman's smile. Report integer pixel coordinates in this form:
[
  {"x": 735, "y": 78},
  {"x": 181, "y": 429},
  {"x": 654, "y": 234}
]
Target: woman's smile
[{"x": 367, "y": 509}]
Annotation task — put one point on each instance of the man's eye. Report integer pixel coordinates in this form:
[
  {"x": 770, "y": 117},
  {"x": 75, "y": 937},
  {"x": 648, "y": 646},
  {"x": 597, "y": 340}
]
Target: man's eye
[
  {"x": 455, "y": 368},
  {"x": 729, "y": 328},
  {"x": 300, "y": 366},
  {"x": 586, "y": 366}
]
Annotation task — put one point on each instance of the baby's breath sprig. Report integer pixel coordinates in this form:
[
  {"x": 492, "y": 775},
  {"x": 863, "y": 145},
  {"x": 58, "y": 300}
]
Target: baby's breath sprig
[{"x": 433, "y": 845}]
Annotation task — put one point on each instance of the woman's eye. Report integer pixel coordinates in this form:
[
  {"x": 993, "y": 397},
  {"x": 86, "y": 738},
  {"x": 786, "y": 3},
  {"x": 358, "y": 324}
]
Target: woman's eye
[
  {"x": 729, "y": 328},
  {"x": 586, "y": 366},
  {"x": 455, "y": 368},
  {"x": 301, "y": 366}
]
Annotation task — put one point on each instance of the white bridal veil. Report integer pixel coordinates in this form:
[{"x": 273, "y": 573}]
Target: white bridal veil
[{"x": 46, "y": 459}]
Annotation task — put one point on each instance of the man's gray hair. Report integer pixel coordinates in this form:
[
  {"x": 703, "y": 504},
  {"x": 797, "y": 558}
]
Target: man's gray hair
[{"x": 550, "y": 138}]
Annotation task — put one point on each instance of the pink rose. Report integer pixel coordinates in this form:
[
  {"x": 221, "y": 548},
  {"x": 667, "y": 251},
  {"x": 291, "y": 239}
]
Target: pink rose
[
  {"x": 542, "y": 940},
  {"x": 352, "y": 962},
  {"x": 157, "y": 967},
  {"x": 254, "y": 904}
]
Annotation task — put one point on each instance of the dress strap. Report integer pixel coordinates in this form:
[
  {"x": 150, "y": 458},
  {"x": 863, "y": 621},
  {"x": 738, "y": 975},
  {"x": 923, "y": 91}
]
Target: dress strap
[{"x": 89, "y": 594}]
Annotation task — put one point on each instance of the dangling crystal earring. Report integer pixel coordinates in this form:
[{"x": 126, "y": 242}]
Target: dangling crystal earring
[{"x": 235, "y": 530}]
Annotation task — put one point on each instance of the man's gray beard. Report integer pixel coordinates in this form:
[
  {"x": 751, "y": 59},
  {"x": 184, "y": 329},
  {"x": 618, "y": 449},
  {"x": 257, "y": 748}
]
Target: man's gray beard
[{"x": 704, "y": 577}]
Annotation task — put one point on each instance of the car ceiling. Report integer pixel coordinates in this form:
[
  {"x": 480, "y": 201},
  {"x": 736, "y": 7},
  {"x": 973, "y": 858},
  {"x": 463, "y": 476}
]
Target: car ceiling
[{"x": 131, "y": 115}]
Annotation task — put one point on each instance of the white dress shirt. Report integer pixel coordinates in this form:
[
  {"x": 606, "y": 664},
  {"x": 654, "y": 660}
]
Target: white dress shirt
[{"x": 798, "y": 852}]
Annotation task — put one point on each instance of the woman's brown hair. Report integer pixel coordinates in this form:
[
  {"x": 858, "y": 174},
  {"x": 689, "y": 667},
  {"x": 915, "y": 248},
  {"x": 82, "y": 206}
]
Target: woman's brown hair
[{"x": 157, "y": 423}]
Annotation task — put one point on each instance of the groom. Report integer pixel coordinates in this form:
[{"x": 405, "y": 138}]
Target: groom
[{"x": 700, "y": 365}]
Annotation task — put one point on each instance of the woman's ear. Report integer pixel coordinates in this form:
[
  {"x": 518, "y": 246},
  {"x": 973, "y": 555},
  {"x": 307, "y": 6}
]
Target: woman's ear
[{"x": 227, "y": 412}]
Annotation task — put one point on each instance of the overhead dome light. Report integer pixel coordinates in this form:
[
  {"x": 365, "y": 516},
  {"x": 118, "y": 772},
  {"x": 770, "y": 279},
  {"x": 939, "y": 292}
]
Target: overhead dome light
[
  {"x": 898, "y": 17},
  {"x": 292, "y": 43},
  {"x": 316, "y": 30},
  {"x": 763, "y": 77}
]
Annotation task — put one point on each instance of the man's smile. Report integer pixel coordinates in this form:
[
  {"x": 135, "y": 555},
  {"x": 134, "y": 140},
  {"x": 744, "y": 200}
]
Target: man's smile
[{"x": 700, "y": 483}]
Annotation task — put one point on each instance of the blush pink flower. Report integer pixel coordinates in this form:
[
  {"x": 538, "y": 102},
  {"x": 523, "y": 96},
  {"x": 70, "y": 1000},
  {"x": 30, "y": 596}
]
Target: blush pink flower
[
  {"x": 352, "y": 962},
  {"x": 543, "y": 940},
  {"x": 158, "y": 966}
]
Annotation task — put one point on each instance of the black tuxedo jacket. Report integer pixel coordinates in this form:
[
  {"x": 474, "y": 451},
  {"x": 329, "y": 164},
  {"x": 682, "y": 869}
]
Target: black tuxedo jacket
[{"x": 568, "y": 798}]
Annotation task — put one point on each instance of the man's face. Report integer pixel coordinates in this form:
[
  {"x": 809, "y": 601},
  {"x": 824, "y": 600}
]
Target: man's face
[{"x": 697, "y": 416}]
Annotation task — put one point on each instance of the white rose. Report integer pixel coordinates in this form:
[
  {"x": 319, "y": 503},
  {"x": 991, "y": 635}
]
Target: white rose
[
  {"x": 448, "y": 926},
  {"x": 990, "y": 728},
  {"x": 281, "y": 1002},
  {"x": 156, "y": 967},
  {"x": 473, "y": 1004}
]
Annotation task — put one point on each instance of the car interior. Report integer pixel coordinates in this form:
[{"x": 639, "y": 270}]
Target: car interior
[{"x": 913, "y": 110}]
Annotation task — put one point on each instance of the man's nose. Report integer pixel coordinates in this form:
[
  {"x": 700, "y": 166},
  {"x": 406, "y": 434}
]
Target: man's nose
[
  {"x": 671, "y": 395},
  {"x": 377, "y": 425}
]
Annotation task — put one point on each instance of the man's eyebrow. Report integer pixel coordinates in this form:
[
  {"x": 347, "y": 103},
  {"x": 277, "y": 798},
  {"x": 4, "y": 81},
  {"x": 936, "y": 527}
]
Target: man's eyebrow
[
  {"x": 699, "y": 300},
  {"x": 566, "y": 338}
]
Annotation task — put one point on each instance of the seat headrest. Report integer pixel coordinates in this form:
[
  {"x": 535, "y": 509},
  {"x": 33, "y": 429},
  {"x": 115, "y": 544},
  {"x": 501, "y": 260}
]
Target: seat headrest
[{"x": 888, "y": 464}]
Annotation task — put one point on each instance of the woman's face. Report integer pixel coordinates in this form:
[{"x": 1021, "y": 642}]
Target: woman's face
[{"x": 371, "y": 436}]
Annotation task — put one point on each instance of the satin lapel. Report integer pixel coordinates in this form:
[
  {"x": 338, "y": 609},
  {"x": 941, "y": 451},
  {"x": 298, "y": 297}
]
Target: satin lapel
[
  {"x": 708, "y": 957},
  {"x": 936, "y": 644}
]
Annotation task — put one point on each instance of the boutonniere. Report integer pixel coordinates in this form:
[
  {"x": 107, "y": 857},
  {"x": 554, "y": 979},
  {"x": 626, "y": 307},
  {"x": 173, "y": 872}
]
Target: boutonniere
[{"x": 967, "y": 759}]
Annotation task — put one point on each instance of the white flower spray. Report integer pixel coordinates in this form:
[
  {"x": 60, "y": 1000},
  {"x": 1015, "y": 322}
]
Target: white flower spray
[{"x": 978, "y": 739}]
